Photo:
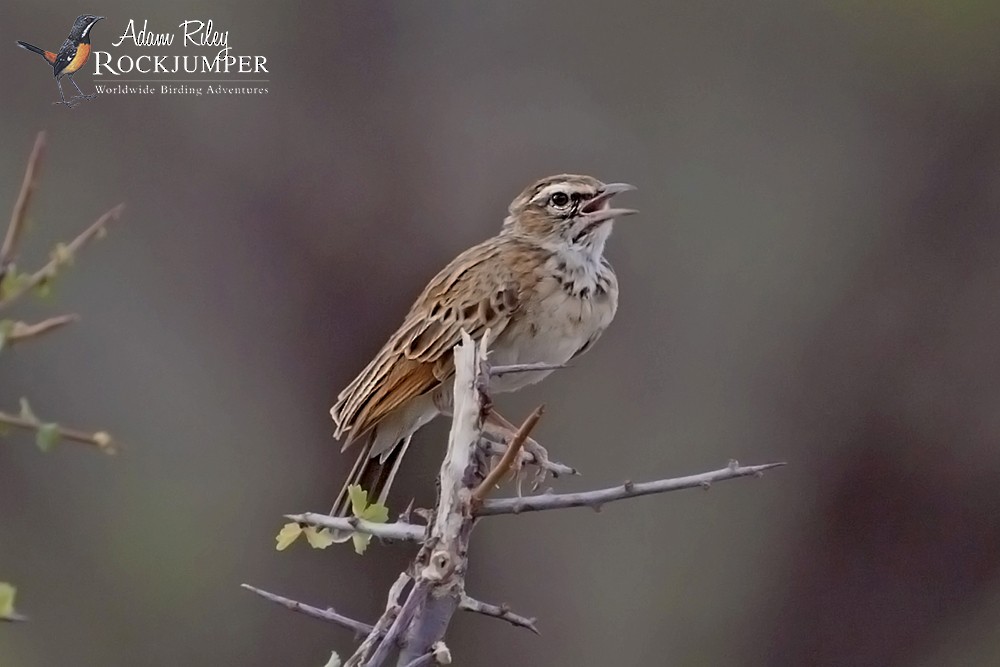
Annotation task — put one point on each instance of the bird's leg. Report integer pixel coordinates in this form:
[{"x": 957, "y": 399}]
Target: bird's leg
[
  {"x": 62, "y": 97},
  {"x": 508, "y": 430},
  {"x": 86, "y": 97}
]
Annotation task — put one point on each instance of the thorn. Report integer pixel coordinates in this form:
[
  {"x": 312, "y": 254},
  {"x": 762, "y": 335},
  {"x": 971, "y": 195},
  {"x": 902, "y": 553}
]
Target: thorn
[
  {"x": 596, "y": 508},
  {"x": 405, "y": 515},
  {"x": 733, "y": 464},
  {"x": 706, "y": 485},
  {"x": 629, "y": 486}
]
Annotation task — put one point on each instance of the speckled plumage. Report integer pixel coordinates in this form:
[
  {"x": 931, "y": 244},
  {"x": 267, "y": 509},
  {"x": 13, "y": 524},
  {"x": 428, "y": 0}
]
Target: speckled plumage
[{"x": 542, "y": 289}]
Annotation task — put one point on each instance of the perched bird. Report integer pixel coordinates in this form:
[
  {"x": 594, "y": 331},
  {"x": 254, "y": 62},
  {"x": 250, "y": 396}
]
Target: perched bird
[
  {"x": 72, "y": 55},
  {"x": 541, "y": 287}
]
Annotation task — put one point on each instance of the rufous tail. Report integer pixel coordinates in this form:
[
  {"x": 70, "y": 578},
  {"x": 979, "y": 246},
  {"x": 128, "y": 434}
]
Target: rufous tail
[{"x": 48, "y": 55}]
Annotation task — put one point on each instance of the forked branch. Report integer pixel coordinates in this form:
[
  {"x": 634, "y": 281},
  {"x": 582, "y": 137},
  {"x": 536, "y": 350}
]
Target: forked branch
[{"x": 415, "y": 626}]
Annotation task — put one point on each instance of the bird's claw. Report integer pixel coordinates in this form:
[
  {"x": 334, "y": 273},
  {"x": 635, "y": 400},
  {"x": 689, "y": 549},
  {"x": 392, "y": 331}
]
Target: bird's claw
[{"x": 541, "y": 464}]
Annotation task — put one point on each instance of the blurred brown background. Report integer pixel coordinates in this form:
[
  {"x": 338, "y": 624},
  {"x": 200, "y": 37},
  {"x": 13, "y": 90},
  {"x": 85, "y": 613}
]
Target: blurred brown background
[{"x": 814, "y": 278}]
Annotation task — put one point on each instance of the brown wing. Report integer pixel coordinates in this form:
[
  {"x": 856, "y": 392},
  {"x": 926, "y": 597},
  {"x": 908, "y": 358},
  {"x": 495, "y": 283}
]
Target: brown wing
[{"x": 477, "y": 291}]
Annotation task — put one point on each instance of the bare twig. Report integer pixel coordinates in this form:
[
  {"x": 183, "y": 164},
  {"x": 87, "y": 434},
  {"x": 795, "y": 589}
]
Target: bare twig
[
  {"x": 327, "y": 614},
  {"x": 59, "y": 258},
  {"x": 440, "y": 568},
  {"x": 553, "y": 501},
  {"x": 386, "y": 531},
  {"x": 512, "y": 454},
  {"x": 101, "y": 439},
  {"x": 391, "y": 609},
  {"x": 498, "y": 611},
  {"x": 360, "y": 627},
  {"x": 497, "y": 371},
  {"x": 492, "y": 448},
  {"x": 19, "y": 215},
  {"x": 13, "y": 618},
  {"x": 21, "y": 331},
  {"x": 413, "y": 601}
]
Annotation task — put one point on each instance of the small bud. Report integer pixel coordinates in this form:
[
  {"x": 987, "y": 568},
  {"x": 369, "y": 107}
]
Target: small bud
[
  {"x": 441, "y": 653},
  {"x": 103, "y": 440}
]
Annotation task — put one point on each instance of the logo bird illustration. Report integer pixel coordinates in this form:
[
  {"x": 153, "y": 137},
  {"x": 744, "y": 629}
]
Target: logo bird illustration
[{"x": 72, "y": 55}]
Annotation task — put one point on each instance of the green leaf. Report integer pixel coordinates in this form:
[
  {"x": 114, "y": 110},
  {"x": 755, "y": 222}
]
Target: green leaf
[
  {"x": 47, "y": 437},
  {"x": 7, "y": 593},
  {"x": 360, "y": 541},
  {"x": 358, "y": 497},
  {"x": 288, "y": 534},
  {"x": 6, "y": 326},
  {"x": 26, "y": 413},
  {"x": 44, "y": 289},
  {"x": 318, "y": 539},
  {"x": 11, "y": 282},
  {"x": 374, "y": 513}
]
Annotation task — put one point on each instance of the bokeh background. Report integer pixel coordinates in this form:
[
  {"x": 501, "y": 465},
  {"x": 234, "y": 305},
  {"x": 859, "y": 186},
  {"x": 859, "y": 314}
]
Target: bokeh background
[{"x": 814, "y": 278}]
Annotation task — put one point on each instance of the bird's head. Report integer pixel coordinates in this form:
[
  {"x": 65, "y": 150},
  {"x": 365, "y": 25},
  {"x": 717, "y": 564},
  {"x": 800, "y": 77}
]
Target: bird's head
[
  {"x": 82, "y": 26},
  {"x": 567, "y": 209}
]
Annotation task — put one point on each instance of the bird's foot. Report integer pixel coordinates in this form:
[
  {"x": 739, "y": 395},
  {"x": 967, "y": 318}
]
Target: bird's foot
[{"x": 542, "y": 463}]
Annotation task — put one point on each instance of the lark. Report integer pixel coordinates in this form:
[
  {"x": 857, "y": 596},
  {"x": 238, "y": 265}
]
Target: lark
[{"x": 541, "y": 288}]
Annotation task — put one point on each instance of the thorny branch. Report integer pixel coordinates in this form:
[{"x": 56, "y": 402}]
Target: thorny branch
[
  {"x": 500, "y": 611},
  {"x": 100, "y": 439},
  {"x": 19, "y": 215},
  {"x": 392, "y": 608},
  {"x": 400, "y": 530},
  {"x": 63, "y": 255},
  {"x": 416, "y": 626},
  {"x": 327, "y": 614},
  {"x": 595, "y": 499},
  {"x": 13, "y": 286}
]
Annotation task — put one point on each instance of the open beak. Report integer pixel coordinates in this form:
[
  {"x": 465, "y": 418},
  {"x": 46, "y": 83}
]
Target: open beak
[{"x": 598, "y": 209}]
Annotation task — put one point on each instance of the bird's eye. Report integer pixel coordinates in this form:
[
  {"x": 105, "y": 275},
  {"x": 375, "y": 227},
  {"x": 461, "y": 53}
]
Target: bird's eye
[{"x": 559, "y": 199}]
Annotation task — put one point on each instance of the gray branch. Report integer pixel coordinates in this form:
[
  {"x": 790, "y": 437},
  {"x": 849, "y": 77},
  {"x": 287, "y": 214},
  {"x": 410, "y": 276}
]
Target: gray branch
[
  {"x": 392, "y": 608},
  {"x": 595, "y": 499},
  {"x": 416, "y": 626},
  {"x": 327, "y": 614},
  {"x": 445, "y": 554},
  {"x": 500, "y": 611},
  {"x": 402, "y": 620},
  {"x": 398, "y": 530}
]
